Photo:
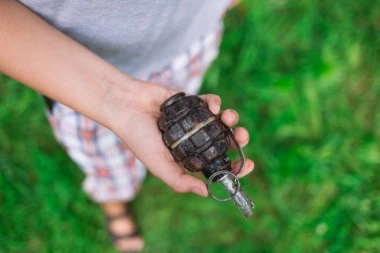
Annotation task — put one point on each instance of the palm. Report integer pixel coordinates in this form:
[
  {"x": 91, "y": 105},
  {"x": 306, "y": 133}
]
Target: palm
[{"x": 144, "y": 139}]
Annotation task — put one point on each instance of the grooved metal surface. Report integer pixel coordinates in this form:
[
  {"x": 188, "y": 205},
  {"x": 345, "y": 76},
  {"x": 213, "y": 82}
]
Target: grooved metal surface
[{"x": 192, "y": 132}]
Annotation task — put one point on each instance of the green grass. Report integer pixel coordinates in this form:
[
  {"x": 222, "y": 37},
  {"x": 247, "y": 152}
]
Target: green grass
[{"x": 304, "y": 76}]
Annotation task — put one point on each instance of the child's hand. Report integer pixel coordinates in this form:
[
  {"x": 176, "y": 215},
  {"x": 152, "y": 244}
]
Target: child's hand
[
  {"x": 60, "y": 68},
  {"x": 138, "y": 129}
]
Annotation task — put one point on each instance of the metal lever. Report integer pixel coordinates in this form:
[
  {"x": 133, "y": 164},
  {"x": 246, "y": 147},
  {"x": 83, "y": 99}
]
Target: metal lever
[
  {"x": 231, "y": 184},
  {"x": 241, "y": 200}
]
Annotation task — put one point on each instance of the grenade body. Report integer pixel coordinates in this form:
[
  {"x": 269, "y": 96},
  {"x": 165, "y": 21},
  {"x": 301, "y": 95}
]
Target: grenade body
[
  {"x": 197, "y": 146},
  {"x": 199, "y": 141}
]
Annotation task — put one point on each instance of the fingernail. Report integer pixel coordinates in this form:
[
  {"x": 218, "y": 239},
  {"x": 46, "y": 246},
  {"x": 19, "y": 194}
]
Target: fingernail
[
  {"x": 218, "y": 102},
  {"x": 236, "y": 115},
  {"x": 215, "y": 107},
  {"x": 199, "y": 192}
]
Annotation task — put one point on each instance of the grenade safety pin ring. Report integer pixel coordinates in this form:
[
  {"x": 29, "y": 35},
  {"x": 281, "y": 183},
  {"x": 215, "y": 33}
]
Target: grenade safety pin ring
[{"x": 225, "y": 172}]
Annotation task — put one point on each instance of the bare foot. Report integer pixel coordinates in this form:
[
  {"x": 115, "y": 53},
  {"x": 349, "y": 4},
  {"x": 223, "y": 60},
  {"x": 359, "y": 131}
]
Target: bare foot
[{"x": 122, "y": 228}]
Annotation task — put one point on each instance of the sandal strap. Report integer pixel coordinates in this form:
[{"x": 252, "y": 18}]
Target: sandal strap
[
  {"x": 116, "y": 237},
  {"x": 123, "y": 214},
  {"x": 124, "y": 236}
]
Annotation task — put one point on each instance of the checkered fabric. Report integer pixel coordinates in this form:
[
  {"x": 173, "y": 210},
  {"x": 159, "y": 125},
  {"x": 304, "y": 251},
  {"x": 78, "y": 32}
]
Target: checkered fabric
[{"x": 112, "y": 173}]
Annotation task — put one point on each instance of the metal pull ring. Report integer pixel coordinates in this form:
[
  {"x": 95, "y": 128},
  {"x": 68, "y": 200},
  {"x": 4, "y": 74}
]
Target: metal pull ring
[{"x": 225, "y": 172}]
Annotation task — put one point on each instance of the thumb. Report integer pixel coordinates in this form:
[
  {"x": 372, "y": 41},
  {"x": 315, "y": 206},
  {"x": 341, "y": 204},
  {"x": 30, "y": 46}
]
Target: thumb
[
  {"x": 187, "y": 183},
  {"x": 176, "y": 178}
]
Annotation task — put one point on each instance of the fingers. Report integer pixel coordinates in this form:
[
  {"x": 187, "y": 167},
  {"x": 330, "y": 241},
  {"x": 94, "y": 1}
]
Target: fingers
[
  {"x": 230, "y": 117},
  {"x": 188, "y": 183},
  {"x": 214, "y": 102},
  {"x": 241, "y": 136},
  {"x": 248, "y": 168}
]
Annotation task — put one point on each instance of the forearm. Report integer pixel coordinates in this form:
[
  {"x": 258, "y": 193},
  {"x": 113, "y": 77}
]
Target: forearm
[{"x": 50, "y": 62}]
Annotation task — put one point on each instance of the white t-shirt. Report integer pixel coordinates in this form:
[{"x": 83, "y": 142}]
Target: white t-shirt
[{"x": 137, "y": 36}]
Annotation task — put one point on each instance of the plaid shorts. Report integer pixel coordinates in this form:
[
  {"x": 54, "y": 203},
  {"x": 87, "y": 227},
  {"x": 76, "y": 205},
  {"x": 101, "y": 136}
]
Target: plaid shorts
[{"x": 112, "y": 173}]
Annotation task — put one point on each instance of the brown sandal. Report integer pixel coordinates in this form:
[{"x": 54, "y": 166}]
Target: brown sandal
[{"x": 117, "y": 237}]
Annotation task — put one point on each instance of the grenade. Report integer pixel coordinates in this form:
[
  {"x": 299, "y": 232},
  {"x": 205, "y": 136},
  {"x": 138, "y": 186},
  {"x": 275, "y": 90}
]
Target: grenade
[{"x": 198, "y": 140}]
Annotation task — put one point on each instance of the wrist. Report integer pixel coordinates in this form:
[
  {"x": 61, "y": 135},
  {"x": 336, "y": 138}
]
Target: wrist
[{"x": 127, "y": 98}]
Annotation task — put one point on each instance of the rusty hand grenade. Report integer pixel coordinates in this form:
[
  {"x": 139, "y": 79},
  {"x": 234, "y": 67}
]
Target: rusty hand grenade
[{"x": 198, "y": 140}]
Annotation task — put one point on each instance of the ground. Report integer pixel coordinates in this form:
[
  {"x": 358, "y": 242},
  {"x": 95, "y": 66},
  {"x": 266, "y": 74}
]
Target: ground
[{"x": 304, "y": 76}]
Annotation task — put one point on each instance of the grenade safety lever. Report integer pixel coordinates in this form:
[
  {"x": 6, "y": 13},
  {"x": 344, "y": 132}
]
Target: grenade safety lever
[{"x": 199, "y": 140}]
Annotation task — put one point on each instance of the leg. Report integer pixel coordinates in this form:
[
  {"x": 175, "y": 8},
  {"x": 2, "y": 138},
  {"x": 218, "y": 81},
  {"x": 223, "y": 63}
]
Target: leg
[
  {"x": 121, "y": 227},
  {"x": 113, "y": 174}
]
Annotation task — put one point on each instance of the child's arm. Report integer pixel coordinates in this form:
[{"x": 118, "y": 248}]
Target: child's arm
[{"x": 50, "y": 62}]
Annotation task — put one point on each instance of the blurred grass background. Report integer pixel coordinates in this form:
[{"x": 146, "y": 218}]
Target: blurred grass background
[{"x": 304, "y": 76}]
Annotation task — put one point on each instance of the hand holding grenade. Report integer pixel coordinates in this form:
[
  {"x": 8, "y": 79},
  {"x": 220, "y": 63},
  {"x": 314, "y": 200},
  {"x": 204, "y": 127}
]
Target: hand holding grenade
[{"x": 199, "y": 140}]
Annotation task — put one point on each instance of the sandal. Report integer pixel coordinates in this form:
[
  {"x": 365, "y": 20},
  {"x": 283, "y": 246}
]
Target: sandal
[{"x": 116, "y": 237}]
